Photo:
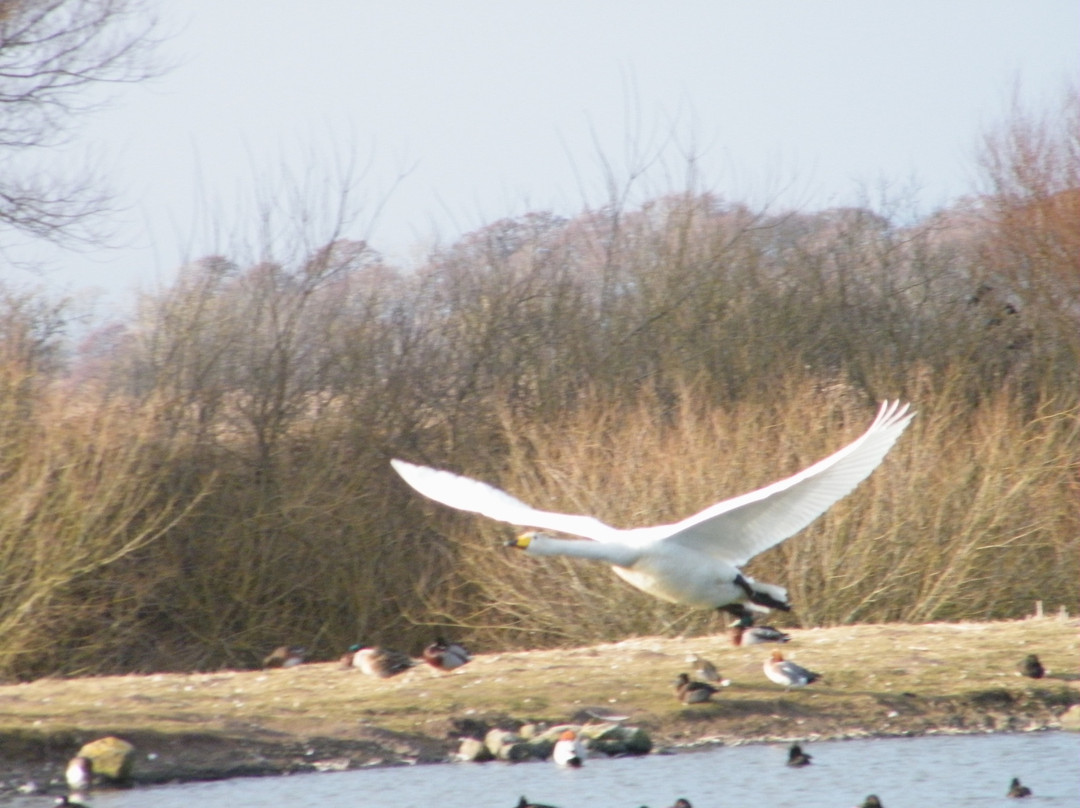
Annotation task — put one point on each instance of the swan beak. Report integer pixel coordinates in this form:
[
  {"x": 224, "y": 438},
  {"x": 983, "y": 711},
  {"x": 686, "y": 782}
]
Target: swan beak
[{"x": 521, "y": 542}]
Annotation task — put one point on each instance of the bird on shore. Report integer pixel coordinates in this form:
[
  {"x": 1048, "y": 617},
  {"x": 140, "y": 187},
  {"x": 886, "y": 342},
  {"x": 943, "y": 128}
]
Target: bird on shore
[
  {"x": 1017, "y": 790},
  {"x": 79, "y": 774},
  {"x": 568, "y": 750},
  {"x": 706, "y": 671},
  {"x": 744, "y": 632},
  {"x": 69, "y": 802},
  {"x": 445, "y": 656},
  {"x": 797, "y": 757},
  {"x": 380, "y": 662},
  {"x": 787, "y": 673},
  {"x": 692, "y": 692},
  {"x": 694, "y": 562},
  {"x": 285, "y": 656},
  {"x": 1032, "y": 668}
]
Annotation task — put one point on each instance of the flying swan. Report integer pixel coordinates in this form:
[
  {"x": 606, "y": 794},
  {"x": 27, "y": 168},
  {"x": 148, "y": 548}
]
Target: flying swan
[{"x": 694, "y": 562}]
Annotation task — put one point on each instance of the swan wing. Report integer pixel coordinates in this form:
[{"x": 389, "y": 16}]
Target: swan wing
[
  {"x": 467, "y": 494},
  {"x": 738, "y": 529}
]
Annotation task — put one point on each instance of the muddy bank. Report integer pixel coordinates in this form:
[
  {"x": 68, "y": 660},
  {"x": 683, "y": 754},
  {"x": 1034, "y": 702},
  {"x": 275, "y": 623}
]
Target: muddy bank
[{"x": 878, "y": 680}]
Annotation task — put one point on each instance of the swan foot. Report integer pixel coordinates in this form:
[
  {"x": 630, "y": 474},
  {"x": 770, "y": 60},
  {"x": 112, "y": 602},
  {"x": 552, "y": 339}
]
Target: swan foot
[{"x": 756, "y": 596}]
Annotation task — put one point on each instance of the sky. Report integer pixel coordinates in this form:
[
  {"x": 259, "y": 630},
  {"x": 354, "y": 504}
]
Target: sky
[{"x": 456, "y": 114}]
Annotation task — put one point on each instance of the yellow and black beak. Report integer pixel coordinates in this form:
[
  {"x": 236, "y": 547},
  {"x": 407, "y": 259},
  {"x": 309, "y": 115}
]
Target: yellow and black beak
[{"x": 522, "y": 541}]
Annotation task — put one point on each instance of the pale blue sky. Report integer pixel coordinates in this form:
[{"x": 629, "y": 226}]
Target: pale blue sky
[{"x": 497, "y": 107}]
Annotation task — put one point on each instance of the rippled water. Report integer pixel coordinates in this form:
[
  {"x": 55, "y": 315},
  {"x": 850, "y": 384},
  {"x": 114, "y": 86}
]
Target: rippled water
[{"x": 953, "y": 770}]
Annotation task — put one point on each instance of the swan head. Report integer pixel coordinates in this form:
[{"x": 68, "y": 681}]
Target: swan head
[{"x": 523, "y": 541}]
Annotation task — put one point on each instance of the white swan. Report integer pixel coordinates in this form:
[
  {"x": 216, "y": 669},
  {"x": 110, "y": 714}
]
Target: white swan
[{"x": 696, "y": 561}]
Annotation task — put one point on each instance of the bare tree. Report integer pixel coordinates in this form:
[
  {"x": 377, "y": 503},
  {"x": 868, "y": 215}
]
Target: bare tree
[{"x": 53, "y": 56}]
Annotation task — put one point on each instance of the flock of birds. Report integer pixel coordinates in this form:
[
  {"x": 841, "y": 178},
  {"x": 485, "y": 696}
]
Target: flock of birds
[{"x": 695, "y": 562}]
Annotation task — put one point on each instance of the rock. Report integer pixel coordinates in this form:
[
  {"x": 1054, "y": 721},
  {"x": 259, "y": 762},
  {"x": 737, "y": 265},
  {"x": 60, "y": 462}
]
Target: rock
[
  {"x": 112, "y": 758},
  {"x": 616, "y": 739},
  {"x": 1070, "y": 719},
  {"x": 473, "y": 750}
]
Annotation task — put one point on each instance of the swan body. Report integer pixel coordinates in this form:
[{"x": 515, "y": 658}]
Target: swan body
[{"x": 694, "y": 562}]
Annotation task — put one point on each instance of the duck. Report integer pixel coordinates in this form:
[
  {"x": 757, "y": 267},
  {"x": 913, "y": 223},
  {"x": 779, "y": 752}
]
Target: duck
[
  {"x": 787, "y": 673},
  {"x": 68, "y": 801},
  {"x": 1017, "y": 790},
  {"x": 706, "y": 670},
  {"x": 79, "y": 774},
  {"x": 380, "y": 662},
  {"x": 285, "y": 656},
  {"x": 568, "y": 750},
  {"x": 692, "y": 692},
  {"x": 871, "y": 802},
  {"x": 1032, "y": 668},
  {"x": 797, "y": 757},
  {"x": 744, "y": 632},
  {"x": 445, "y": 656},
  {"x": 682, "y": 803},
  {"x": 695, "y": 562},
  {"x": 524, "y": 803}
]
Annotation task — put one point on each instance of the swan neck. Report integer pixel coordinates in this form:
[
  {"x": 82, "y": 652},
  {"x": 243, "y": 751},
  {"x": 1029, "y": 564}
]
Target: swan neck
[{"x": 580, "y": 548}]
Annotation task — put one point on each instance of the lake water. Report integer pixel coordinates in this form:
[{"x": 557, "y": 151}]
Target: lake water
[{"x": 958, "y": 770}]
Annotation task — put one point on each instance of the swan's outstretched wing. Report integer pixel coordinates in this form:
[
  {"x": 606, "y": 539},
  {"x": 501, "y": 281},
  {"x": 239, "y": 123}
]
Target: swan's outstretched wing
[
  {"x": 738, "y": 529},
  {"x": 472, "y": 495}
]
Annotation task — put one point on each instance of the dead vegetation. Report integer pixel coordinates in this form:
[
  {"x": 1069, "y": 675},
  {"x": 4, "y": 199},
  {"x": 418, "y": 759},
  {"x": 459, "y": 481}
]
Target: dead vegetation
[{"x": 209, "y": 480}]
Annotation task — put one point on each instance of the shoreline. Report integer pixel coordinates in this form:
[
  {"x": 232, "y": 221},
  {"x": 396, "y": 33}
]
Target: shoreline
[{"x": 887, "y": 680}]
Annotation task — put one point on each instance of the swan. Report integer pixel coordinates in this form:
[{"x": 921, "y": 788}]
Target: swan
[{"x": 694, "y": 562}]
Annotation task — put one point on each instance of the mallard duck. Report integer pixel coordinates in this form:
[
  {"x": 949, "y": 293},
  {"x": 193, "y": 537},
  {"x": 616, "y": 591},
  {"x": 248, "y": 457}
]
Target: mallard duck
[
  {"x": 797, "y": 757},
  {"x": 871, "y": 802},
  {"x": 445, "y": 656},
  {"x": 381, "y": 662},
  {"x": 692, "y": 692},
  {"x": 694, "y": 562},
  {"x": 285, "y": 656},
  {"x": 568, "y": 750},
  {"x": 1017, "y": 790},
  {"x": 1032, "y": 668},
  {"x": 787, "y": 673},
  {"x": 682, "y": 803},
  {"x": 79, "y": 774},
  {"x": 744, "y": 632}
]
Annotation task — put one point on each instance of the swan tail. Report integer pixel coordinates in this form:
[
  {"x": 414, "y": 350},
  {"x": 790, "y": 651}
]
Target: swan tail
[{"x": 769, "y": 596}]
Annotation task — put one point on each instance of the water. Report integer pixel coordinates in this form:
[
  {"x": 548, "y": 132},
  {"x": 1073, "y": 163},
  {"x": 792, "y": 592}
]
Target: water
[{"x": 954, "y": 770}]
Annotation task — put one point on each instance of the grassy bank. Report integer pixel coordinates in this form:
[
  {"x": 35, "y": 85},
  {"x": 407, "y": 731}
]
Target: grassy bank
[{"x": 878, "y": 679}]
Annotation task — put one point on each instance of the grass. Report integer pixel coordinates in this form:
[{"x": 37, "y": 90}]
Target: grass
[{"x": 878, "y": 679}]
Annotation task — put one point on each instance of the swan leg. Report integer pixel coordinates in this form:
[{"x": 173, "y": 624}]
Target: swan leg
[
  {"x": 759, "y": 597},
  {"x": 738, "y": 611}
]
